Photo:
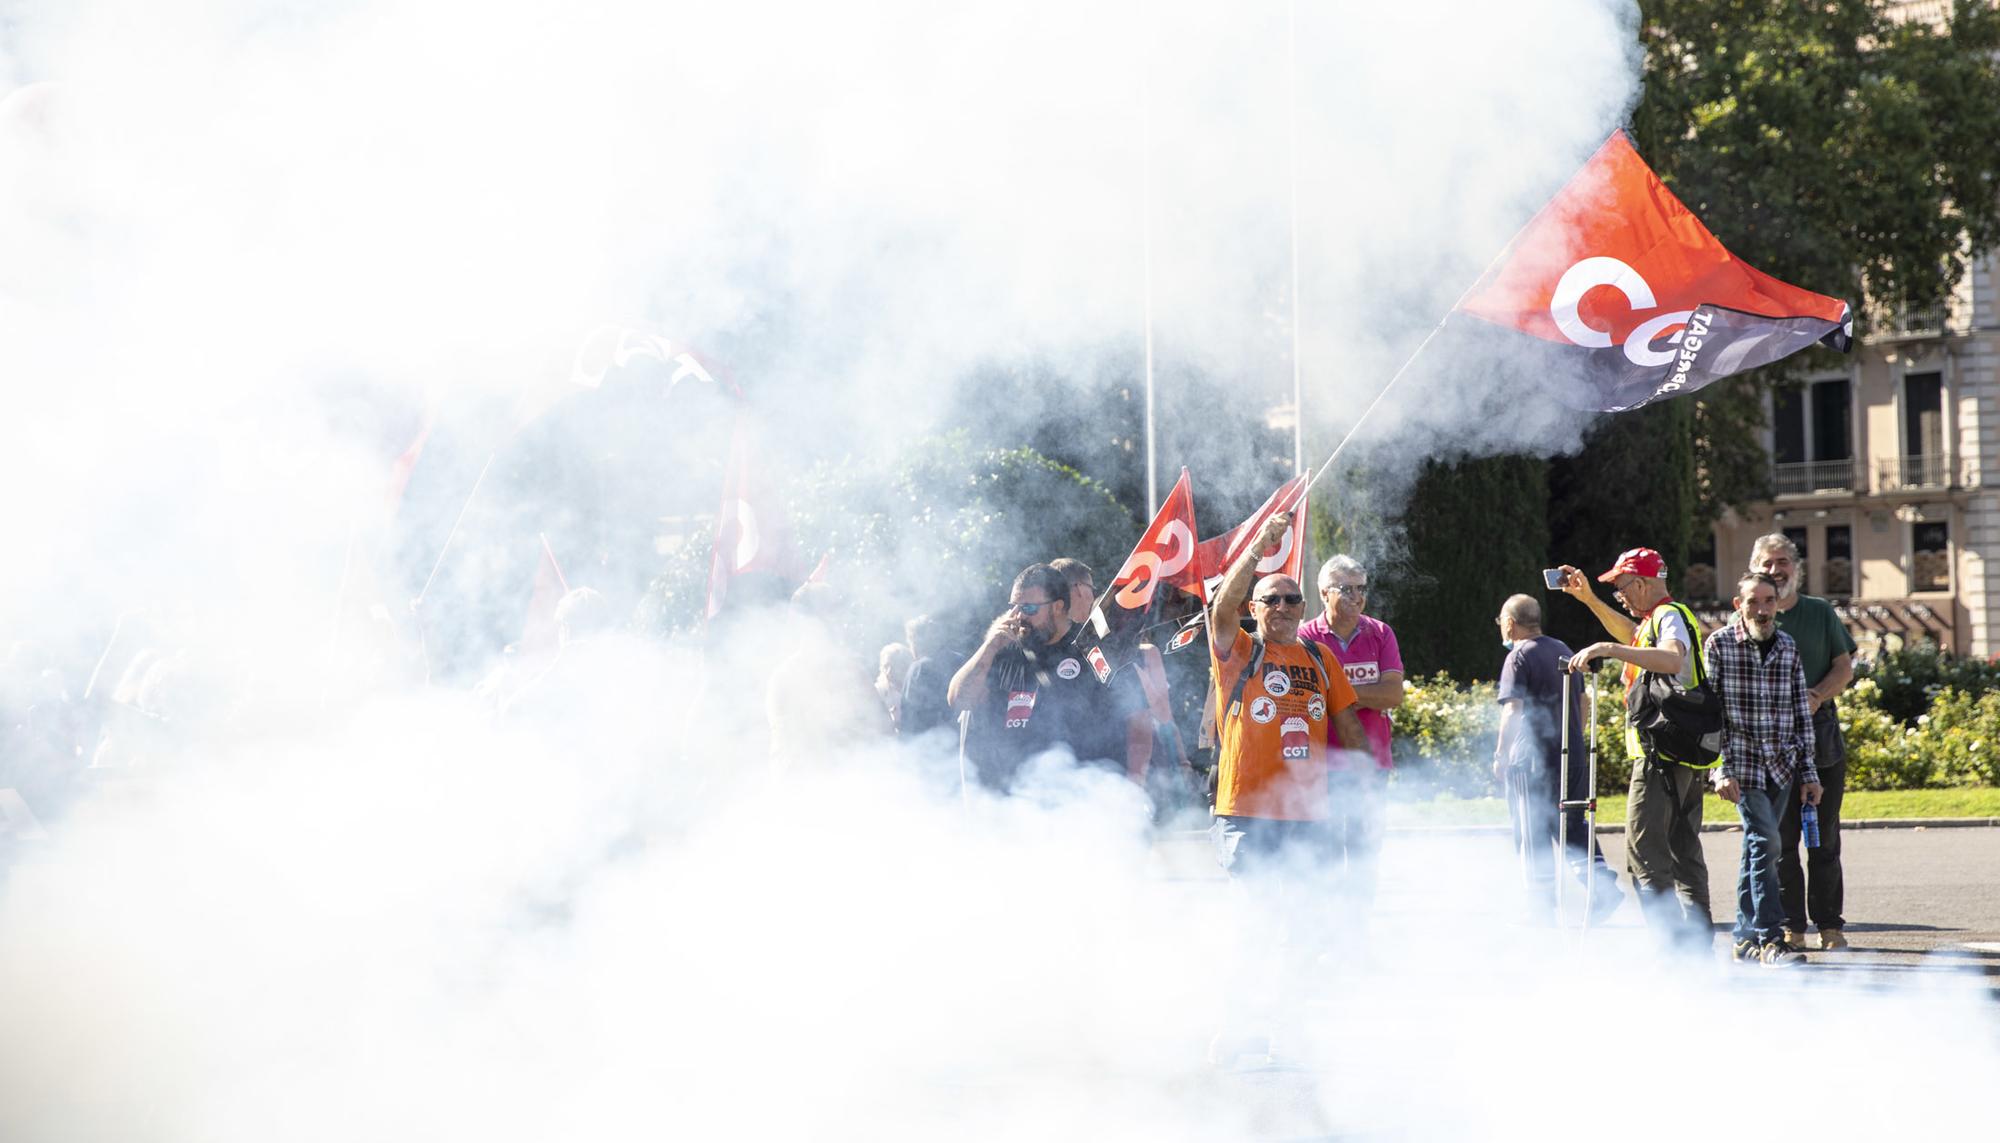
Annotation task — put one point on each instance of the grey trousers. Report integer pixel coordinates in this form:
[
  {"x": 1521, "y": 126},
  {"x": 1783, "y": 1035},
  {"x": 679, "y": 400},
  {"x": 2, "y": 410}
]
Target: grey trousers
[{"x": 1663, "y": 849}]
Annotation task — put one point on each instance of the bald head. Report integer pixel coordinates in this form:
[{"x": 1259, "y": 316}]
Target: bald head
[
  {"x": 1276, "y": 581},
  {"x": 1524, "y": 610}
]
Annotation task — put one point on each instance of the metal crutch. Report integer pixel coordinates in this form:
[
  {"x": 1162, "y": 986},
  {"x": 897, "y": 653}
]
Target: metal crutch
[
  {"x": 1562, "y": 811},
  {"x": 1587, "y": 803}
]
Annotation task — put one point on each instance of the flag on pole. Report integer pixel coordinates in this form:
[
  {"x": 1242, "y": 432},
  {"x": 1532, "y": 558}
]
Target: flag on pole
[
  {"x": 1617, "y": 281},
  {"x": 752, "y": 533},
  {"x": 1163, "y": 558},
  {"x": 1214, "y": 556}
]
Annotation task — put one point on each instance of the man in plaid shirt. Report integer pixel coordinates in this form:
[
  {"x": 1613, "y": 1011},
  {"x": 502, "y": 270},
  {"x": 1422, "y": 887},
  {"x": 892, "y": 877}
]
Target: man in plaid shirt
[{"x": 1768, "y": 738}]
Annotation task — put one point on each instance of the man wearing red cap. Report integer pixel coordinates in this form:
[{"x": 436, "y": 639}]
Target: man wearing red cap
[{"x": 1663, "y": 811}]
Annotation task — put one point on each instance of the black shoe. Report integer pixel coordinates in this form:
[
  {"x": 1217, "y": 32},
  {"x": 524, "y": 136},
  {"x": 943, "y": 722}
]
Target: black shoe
[{"x": 1778, "y": 954}]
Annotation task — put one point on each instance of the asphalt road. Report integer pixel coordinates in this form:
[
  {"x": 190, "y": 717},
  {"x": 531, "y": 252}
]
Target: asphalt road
[
  {"x": 1917, "y": 898},
  {"x": 1923, "y": 912},
  {"x": 1912, "y": 894}
]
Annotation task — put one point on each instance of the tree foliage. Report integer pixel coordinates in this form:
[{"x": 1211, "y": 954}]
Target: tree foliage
[
  {"x": 1473, "y": 528},
  {"x": 1831, "y": 146}
]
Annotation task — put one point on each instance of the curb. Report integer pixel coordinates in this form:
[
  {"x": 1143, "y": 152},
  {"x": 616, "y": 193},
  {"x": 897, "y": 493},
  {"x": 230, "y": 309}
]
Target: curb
[
  {"x": 1729, "y": 827},
  {"x": 1706, "y": 827}
]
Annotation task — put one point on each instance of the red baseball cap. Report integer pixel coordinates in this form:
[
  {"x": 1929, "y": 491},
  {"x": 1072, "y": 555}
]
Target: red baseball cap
[{"x": 1639, "y": 561}]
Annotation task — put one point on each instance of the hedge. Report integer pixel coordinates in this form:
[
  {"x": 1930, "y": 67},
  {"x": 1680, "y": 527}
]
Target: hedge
[{"x": 1921, "y": 719}]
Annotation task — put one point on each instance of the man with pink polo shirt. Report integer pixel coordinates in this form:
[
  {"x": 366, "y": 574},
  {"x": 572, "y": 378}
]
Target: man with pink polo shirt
[{"x": 1366, "y": 649}]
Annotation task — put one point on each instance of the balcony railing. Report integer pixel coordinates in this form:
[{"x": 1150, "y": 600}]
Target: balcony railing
[
  {"x": 1813, "y": 476},
  {"x": 1932, "y": 470}
]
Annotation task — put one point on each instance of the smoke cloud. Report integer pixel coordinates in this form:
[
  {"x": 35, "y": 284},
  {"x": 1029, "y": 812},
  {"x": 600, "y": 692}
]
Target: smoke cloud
[{"x": 250, "y": 252}]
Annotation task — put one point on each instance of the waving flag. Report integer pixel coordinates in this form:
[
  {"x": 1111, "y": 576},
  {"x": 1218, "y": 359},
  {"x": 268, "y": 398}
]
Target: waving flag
[
  {"x": 1163, "y": 559},
  {"x": 752, "y": 531},
  {"x": 1214, "y": 556},
  {"x": 1618, "y": 281}
]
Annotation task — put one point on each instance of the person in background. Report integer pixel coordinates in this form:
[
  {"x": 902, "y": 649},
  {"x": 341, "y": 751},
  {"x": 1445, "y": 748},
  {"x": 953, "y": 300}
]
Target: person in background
[
  {"x": 1815, "y": 889},
  {"x": 1366, "y": 649},
  {"x": 1082, "y": 587},
  {"x": 1529, "y": 752},
  {"x": 892, "y": 674},
  {"x": 1663, "y": 804},
  {"x": 1767, "y": 754},
  {"x": 924, "y": 705}
]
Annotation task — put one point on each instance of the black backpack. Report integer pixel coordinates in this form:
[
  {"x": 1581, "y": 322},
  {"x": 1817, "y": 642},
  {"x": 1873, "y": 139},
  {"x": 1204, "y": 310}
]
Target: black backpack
[{"x": 1676, "y": 723}]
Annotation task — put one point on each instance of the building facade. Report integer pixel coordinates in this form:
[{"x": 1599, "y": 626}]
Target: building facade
[{"x": 1887, "y": 476}]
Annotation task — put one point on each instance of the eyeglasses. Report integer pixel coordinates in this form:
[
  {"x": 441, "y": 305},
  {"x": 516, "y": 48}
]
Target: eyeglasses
[
  {"x": 1028, "y": 608},
  {"x": 1288, "y": 598},
  {"x": 1352, "y": 590}
]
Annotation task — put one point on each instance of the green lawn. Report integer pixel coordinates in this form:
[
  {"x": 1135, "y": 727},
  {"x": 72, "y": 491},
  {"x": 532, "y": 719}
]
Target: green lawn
[{"x": 1976, "y": 802}]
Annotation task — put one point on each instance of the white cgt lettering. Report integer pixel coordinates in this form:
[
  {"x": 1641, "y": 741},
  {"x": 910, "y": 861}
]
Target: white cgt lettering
[
  {"x": 1138, "y": 590},
  {"x": 1597, "y": 271}
]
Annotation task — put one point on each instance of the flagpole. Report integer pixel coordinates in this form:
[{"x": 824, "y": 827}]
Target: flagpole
[
  {"x": 1435, "y": 330},
  {"x": 1298, "y": 386},
  {"x": 1306, "y": 566},
  {"x": 1146, "y": 257},
  {"x": 455, "y": 524}
]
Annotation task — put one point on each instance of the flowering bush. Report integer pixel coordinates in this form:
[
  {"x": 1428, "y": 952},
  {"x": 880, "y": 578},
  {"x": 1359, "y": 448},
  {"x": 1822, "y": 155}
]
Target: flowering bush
[
  {"x": 1960, "y": 732},
  {"x": 1882, "y": 753},
  {"x": 1444, "y": 736}
]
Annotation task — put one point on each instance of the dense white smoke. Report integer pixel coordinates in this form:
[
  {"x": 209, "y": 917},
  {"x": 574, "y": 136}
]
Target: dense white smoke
[{"x": 246, "y": 247}]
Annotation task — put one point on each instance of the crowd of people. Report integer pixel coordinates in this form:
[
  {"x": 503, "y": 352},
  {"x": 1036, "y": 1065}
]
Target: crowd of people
[
  {"x": 1294, "y": 753},
  {"x": 1298, "y": 725}
]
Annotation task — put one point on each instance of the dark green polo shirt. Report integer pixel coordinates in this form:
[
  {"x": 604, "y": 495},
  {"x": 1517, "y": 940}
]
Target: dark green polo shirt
[{"x": 1821, "y": 636}]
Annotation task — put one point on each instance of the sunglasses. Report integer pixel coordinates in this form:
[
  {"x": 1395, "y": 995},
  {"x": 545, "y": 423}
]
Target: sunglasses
[
  {"x": 1292, "y": 599},
  {"x": 1027, "y": 608}
]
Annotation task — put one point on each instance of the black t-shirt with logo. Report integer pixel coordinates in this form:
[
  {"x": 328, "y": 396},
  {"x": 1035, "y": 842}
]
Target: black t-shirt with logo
[{"x": 1038, "y": 697}]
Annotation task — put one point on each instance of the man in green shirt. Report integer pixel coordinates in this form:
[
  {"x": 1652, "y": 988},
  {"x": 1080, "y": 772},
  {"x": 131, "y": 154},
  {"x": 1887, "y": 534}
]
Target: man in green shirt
[{"x": 1812, "y": 890}]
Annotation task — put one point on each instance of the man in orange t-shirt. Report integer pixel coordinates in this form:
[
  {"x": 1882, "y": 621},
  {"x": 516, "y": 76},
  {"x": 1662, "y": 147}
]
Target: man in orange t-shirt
[{"x": 1274, "y": 696}]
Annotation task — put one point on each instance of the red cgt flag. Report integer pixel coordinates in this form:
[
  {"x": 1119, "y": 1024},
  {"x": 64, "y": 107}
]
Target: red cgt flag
[
  {"x": 1617, "y": 280},
  {"x": 1164, "y": 557},
  {"x": 1214, "y": 556}
]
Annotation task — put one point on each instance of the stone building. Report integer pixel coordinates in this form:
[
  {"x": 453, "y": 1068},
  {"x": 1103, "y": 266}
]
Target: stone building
[{"x": 1887, "y": 476}]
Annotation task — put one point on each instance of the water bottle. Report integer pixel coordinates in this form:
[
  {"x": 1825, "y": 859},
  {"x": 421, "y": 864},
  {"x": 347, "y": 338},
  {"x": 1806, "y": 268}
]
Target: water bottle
[{"x": 1809, "y": 824}]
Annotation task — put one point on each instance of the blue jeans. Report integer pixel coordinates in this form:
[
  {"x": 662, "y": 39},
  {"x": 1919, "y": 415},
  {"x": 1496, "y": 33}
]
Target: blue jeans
[{"x": 1760, "y": 914}]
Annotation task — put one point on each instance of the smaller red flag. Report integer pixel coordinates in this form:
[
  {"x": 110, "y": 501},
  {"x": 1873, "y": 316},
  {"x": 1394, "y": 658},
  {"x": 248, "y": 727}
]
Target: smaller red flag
[
  {"x": 1214, "y": 556},
  {"x": 1164, "y": 556}
]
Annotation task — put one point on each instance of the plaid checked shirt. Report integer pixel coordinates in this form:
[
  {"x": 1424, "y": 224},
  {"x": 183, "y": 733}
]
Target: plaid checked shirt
[{"x": 1768, "y": 733}]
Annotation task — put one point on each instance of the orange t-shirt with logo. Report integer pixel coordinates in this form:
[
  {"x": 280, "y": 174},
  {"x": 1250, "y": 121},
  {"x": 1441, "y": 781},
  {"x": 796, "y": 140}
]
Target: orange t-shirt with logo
[{"x": 1271, "y": 761}]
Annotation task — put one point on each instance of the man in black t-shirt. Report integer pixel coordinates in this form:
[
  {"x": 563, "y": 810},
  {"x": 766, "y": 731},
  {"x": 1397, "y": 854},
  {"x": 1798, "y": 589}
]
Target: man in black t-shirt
[
  {"x": 1028, "y": 689},
  {"x": 1529, "y": 750}
]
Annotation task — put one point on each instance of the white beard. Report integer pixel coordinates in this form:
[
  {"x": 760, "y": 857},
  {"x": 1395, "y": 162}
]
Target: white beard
[
  {"x": 1761, "y": 632},
  {"x": 1789, "y": 588}
]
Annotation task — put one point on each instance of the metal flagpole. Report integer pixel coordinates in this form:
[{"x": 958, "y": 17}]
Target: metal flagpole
[
  {"x": 1307, "y": 567},
  {"x": 457, "y": 521},
  {"x": 1146, "y": 246},
  {"x": 1298, "y": 388},
  {"x": 1422, "y": 345}
]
